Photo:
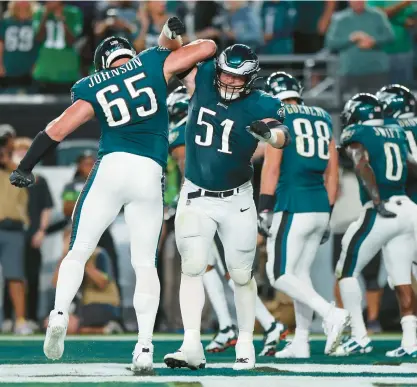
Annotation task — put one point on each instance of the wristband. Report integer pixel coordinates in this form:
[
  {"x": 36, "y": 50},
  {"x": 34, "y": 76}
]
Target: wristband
[
  {"x": 266, "y": 202},
  {"x": 41, "y": 144}
]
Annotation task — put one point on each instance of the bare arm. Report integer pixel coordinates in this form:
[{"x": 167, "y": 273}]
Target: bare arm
[
  {"x": 393, "y": 9},
  {"x": 45, "y": 219},
  {"x": 412, "y": 165},
  {"x": 178, "y": 155},
  {"x": 270, "y": 170},
  {"x": 326, "y": 16},
  {"x": 188, "y": 56},
  {"x": 96, "y": 276},
  {"x": 363, "y": 169},
  {"x": 68, "y": 207},
  {"x": 331, "y": 175},
  {"x": 2, "y": 69},
  {"x": 77, "y": 114}
]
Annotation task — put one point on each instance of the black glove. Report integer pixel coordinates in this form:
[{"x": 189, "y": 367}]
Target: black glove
[
  {"x": 259, "y": 130},
  {"x": 265, "y": 222},
  {"x": 22, "y": 179},
  {"x": 175, "y": 28},
  {"x": 326, "y": 235},
  {"x": 383, "y": 211}
]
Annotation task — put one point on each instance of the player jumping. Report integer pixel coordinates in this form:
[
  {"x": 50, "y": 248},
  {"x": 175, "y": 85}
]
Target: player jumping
[{"x": 127, "y": 95}]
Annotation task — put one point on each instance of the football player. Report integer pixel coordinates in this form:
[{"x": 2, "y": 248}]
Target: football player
[
  {"x": 381, "y": 159},
  {"x": 295, "y": 214},
  {"x": 399, "y": 106},
  {"x": 226, "y": 337},
  {"x": 227, "y": 119},
  {"x": 127, "y": 94}
]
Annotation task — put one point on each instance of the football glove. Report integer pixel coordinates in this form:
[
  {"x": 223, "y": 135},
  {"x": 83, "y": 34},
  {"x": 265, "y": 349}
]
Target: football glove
[
  {"x": 259, "y": 130},
  {"x": 383, "y": 211},
  {"x": 22, "y": 179},
  {"x": 173, "y": 28},
  {"x": 265, "y": 222}
]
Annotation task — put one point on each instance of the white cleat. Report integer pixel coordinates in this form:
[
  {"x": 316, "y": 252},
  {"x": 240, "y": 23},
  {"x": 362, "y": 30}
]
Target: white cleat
[
  {"x": 224, "y": 339},
  {"x": 177, "y": 360},
  {"x": 142, "y": 358},
  {"x": 334, "y": 324},
  {"x": 294, "y": 350},
  {"x": 245, "y": 356},
  {"x": 353, "y": 346},
  {"x": 403, "y": 352},
  {"x": 53, "y": 347}
]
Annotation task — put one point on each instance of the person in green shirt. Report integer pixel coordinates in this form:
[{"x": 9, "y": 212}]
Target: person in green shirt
[
  {"x": 18, "y": 49},
  {"x": 402, "y": 16},
  {"x": 57, "y": 27}
]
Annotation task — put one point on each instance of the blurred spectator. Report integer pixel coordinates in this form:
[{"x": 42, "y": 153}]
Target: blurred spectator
[
  {"x": 98, "y": 311},
  {"x": 312, "y": 21},
  {"x": 358, "y": 34},
  {"x": 278, "y": 24},
  {"x": 18, "y": 50},
  {"x": 402, "y": 16},
  {"x": 13, "y": 221},
  {"x": 72, "y": 190},
  {"x": 57, "y": 28},
  {"x": 40, "y": 206},
  {"x": 152, "y": 16},
  {"x": 117, "y": 18},
  {"x": 203, "y": 20},
  {"x": 244, "y": 24}
]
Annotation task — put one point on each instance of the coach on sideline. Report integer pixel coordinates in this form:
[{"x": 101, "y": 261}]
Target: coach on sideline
[{"x": 13, "y": 221}]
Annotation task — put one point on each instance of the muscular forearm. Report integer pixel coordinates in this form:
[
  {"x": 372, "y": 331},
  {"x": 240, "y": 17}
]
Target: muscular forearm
[
  {"x": 170, "y": 44},
  {"x": 367, "y": 177}
]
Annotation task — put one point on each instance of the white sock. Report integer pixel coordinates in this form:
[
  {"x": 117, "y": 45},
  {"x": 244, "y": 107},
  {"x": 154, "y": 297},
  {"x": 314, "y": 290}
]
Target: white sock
[
  {"x": 146, "y": 301},
  {"x": 245, "y": 300},
  {"x": 352, "y": 302},
  {"x": 303, "y": 318},
  {"x": 215, "y": 290},
  {"x": 262, "y": 314},
  {"x": 300, "y": 291},
  {"x": 191, "y": 302},
  {"x": 409, "y": 326},
  {"x": 70, "y": 277}
]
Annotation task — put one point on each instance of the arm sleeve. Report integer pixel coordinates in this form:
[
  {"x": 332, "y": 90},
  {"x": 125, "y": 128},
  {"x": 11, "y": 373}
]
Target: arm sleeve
[
  {"x": 78, "y": 91},
  {"x": 76, "y": 26},
  {"x": 385, "y": 32},
  {"x": 351, "y": 135},
  {"x": 176, "y": 137},
  {"x": 36, "y": 20},
  {"x": 337, "y": 38},
  {"x": 271, "y": 107}
]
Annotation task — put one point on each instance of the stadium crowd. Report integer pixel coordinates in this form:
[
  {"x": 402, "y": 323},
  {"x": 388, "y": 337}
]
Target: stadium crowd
[{"x": 45, "y": 47}]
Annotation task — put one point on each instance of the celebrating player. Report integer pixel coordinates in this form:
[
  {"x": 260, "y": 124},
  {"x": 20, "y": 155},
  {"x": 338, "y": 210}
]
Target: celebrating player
[
  {"x": 226, "y": 337},
  {"x": 307, "y": 176},
  {"x": 227, "y": 118},
  {"x": 381, "y": 161},
  {"x": 127, "y": 94}
]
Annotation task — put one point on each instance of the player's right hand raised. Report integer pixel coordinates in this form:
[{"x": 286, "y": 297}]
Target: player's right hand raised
[
  {"x": 380, "y": 207},
  {"x": 22, "y": 179},
  {"x": 174, "y": 27},
  {"x": 265, "y": 222}
]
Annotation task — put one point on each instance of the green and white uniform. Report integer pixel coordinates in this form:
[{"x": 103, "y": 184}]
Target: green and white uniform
[
  {"x": 386, "y": 147},
  {"x": 129, "y": 102},
  {"x": 302, "y": 205},
  {"x": 217, "y": 194}
]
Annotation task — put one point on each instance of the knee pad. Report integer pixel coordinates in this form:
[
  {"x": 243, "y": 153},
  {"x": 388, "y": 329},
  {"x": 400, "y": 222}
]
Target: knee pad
[
  {"x": 193, "y": 260},
  {"x": 241, "y": 276}
]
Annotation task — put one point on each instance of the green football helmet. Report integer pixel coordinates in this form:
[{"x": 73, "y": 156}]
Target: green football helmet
[
  {"x": 237, "y": 60},
  {"x": 397, "y": 100},
  {"x": 111, "y": 49},
  {"x": 360, "y": 108},
  {"x": 177, "y": 103},
  {"x": 284, "y": 86}
]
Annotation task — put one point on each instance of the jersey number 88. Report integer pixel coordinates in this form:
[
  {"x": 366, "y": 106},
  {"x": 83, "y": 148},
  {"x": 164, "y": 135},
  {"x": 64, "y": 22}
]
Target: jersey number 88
[{"x": 311, "y": 141}]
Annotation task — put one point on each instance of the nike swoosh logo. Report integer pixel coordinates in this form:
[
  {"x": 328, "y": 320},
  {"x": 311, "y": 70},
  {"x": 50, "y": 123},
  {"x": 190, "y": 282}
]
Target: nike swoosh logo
[{"x": 245, "y": 209}]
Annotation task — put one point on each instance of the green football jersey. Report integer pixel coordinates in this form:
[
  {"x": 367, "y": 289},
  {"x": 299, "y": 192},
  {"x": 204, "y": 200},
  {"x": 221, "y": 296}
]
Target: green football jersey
[
  {"x": 218, "y": 146},
  {"x": 387, "y": 151},
  {"x": 20, "y": 48},
  {"x": 301, "y": 182},
  {"x": 58, "y": 62},
  {"x": 410, "y": 127},
  {"x": 129, "y": 102},
  {"x": 177, "y": 136}
]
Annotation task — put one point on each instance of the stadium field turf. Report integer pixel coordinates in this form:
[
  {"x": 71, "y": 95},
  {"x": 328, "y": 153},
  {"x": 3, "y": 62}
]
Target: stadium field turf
[{"x": 104, "y": 361}]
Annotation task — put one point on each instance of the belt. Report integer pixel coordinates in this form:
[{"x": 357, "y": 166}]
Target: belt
[{"x": 212, "y": 194}]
